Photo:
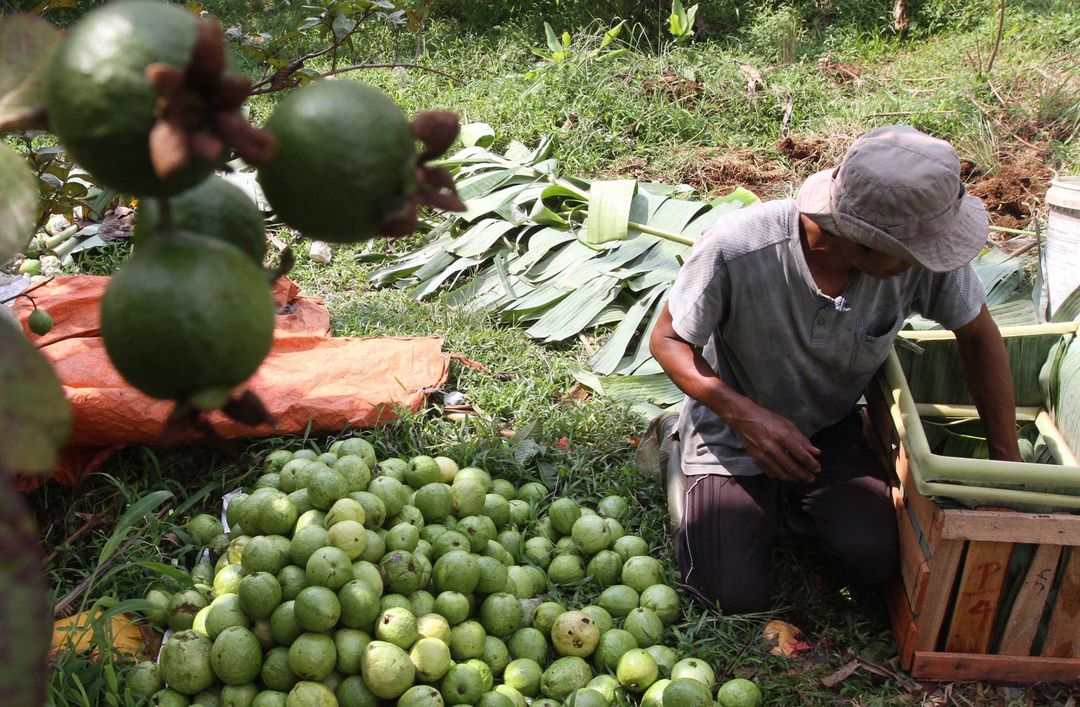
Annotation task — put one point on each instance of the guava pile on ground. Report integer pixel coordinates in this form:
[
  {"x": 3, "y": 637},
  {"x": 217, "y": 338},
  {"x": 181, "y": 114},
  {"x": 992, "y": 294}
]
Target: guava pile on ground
[{"x": 347, "y": 580}]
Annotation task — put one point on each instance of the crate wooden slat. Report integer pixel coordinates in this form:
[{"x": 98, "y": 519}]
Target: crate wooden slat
[
  {"x": 1030, "y": 602},
  {"x": 1063, "y": 634},
  {"x": 978, "y": 598},
  {"x": 1000, "y": 669}
]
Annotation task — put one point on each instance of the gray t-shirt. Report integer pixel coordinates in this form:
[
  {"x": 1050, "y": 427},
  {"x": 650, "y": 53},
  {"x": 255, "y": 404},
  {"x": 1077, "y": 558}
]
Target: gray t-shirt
[{"x": 747, "y": 299}]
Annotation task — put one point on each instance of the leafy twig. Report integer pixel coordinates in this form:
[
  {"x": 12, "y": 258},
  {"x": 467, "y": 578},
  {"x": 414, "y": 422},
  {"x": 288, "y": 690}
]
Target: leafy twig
[
  {"x": 278, "y": 80},
  {"x": 354, "y": 67}
]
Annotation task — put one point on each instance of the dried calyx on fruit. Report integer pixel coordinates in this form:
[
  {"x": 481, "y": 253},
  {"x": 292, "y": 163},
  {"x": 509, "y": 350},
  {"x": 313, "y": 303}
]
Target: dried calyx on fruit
[
  {"x": 437, "y": 130},
  {"x": 196, "y": 109}
]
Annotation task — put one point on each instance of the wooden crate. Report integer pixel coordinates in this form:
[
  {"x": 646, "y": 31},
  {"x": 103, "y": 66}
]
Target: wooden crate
[{"x": 959, "y": 611}]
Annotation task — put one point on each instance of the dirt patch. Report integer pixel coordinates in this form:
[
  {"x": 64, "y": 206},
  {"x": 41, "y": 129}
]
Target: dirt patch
[
  {"x": 1018, "y": 186},
  {"x": 806, "y": 148},
  {"x": 839, "y": 72},
  {"x": 640, "y": 169},
  {"x": 679, "y": 90},
  {"x": 712, "y": 172}
]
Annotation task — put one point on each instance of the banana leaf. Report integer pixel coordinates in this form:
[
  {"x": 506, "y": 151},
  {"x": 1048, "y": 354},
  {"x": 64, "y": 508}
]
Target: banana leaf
[{"x": 561, "y": 255}]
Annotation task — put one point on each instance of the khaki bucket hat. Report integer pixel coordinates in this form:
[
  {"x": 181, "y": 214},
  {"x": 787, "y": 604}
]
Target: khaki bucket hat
[{"x": 898, "y": 191}]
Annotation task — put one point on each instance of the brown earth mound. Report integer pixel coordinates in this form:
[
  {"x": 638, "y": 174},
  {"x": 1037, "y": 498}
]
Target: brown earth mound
[
  {"x": 1014, "y": 191},
  {"x": 712, "y": 172}
]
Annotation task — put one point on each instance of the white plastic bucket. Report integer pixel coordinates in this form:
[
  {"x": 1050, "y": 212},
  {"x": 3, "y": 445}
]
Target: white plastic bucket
[{"x": 1063, "y": 240}]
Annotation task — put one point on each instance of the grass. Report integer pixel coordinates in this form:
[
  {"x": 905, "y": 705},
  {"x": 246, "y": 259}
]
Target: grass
[{"x": 609, "y": 115}]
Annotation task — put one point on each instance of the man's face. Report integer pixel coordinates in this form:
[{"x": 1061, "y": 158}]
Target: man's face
[{"x": 880, "y": 265}]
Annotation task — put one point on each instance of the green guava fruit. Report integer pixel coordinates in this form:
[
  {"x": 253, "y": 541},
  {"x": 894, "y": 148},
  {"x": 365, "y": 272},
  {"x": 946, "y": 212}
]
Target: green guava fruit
[
  {"x": 387, "y": 670},
  {"x": 564, "y": 676},
  {"x": 431, "y": 658},
  {"x": 100, "y": 66},
  {"x": 630, "y": 546},
  {"x": 144, "y": 679},
  {"x": 346, "y": 160},
  {"x": 545, "y": 614},
  {"x": 618, "y": 599},
  {"x": 645, "y": 626},
  {"x": 654, "y": 696},
  {"x": 275, "y": 672},
  {"x": 456, "y": 571},
  {"x": 696, "y": 669},
  {"x": 591, "y": 534},
  {"x": 662, "y": 599},
  {"x": 312, "y": 656},
  {"x": 637, "y": 670},
  {"x": 461, "y": 685},
  {"x": 421, "y": 696},
  {"x": 398, "y": 626},
  {"x": 192, "y": 299},
  {"x": 236, "y": 656},
  {"x": 665, "y": 658},
  {"x": 500, "y": 614},
  {"x": 523, "y": 674},
  {"x": 642, "y": 572},
  {"x": 605, "y": 568},
  {"x": 185, "y": 662},
  {"x": 467, "y": 640},
  {"x": 574, "y": 633},
  {"x": 686, "y": 692},
  {"x": 215, "y": 208},
  {"x": 613, "y": 644}
]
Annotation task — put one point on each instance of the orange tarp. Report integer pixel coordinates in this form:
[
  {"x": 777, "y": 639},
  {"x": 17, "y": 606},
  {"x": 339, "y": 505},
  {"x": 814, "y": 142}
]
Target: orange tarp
[{"x": 309, "y": 378}]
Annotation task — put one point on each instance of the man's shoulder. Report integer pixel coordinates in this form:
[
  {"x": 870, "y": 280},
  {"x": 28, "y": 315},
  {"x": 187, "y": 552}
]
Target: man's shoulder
[{"x": 750, "y": 229}]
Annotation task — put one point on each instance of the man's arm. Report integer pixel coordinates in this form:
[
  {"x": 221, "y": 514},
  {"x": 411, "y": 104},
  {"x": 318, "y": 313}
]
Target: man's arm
[
  {"x": 986, "y": 368},
  {"x": 773, "y": 441}
]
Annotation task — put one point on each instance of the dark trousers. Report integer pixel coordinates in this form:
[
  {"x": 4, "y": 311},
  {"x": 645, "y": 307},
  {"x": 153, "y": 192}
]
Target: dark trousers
[{"x": 723, "y": 544}]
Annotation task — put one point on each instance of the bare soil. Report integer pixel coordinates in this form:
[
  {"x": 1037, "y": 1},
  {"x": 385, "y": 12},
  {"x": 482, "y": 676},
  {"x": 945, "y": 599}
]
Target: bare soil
[{"x": 1015, "y": 191}]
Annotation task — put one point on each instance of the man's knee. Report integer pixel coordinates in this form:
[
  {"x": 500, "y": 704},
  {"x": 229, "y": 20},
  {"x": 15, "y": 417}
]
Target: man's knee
[
  {"x": 858, "y": 524},
  {"x": 723, "y": 544}
]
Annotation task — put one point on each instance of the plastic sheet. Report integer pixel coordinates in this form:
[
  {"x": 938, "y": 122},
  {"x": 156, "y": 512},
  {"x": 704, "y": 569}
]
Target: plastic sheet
[{"x": 309, "y": 377}]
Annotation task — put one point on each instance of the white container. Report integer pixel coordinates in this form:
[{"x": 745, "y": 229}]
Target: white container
[{"x": 1063, "y": 240}]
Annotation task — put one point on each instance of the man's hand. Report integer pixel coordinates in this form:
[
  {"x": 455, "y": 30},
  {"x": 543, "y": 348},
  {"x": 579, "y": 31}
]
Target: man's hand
[{"x": 775, "y": 443}]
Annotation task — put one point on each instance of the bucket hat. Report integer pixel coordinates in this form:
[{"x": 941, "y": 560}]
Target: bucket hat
[{"x": 898, "y": 191}]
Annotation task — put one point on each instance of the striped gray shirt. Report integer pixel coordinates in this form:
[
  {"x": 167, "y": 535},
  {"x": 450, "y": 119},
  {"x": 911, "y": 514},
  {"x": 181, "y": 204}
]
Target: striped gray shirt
[{"x": 747, "y": 299}]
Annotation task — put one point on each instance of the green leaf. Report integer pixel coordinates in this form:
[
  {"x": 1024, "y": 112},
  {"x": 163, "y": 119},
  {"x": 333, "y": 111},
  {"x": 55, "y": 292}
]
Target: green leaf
[
  {"x": 677, "y": 19},
  {"x": 27, "y": 44},
  {"x": 34, "y": 413},
  {"x": 609, "y": 210},
  {"x": 553, "y": 42},
  {"x": 481, "y": 206},
  {"x": 18, "y": 202},
  {"x": 739, "y": 197},
  {"x": 134, "y": 514},
  {"x": 478, "y": 134},
  {"x": 479, "y": 238},
  {"x": 571, "y": 315},
  {"x": 166, "y": 571},
  {"x": 566, "y": 39},
  {"x": 607, "y": 358},
  {"x": 612, "y": 34}
]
